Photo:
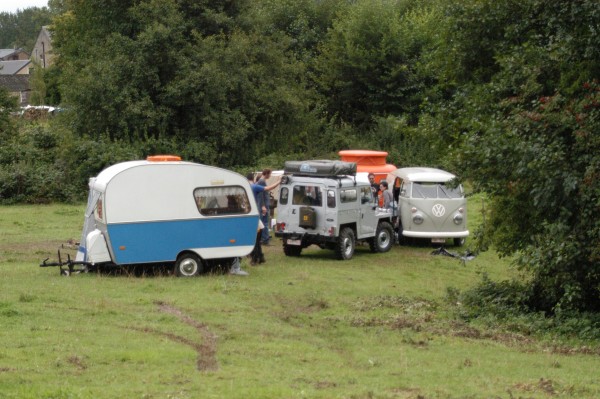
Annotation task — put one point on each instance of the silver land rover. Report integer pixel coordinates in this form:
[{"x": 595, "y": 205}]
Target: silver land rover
[
  {"x": 429, "y": 206},
  {"x": 322, "y": 203}
]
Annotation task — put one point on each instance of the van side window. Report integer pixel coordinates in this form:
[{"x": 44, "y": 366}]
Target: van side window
[
  {"x": 217, "y": 201},
  {"x": 283, "y": 195}
]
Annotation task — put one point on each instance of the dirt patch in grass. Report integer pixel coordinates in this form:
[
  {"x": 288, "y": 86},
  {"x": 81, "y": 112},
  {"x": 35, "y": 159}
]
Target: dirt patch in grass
[{"x": 206, "y": 350}]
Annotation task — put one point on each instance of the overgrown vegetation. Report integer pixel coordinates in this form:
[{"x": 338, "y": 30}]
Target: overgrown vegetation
[{"x": 503, "y": 93}]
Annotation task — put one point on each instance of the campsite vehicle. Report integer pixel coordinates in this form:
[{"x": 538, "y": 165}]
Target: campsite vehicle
[
  {"x": 429, "y": 205},
  {"x": 165, "y": 211},
  {"x": 323, "y": 203}
]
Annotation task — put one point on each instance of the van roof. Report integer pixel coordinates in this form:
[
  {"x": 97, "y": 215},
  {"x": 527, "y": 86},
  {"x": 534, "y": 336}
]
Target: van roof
[{"x": 423, "y": 174}]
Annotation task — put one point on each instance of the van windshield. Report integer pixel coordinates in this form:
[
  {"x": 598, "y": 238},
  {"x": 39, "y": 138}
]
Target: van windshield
[{"x": 435, "y": 190}]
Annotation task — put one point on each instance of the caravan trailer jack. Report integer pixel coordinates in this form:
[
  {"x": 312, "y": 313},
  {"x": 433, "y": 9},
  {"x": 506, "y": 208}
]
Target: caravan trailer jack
[{"x": 69, "y": 266}]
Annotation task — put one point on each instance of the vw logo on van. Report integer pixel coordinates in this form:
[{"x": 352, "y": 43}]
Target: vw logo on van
[{"x": 438, "y": 210}]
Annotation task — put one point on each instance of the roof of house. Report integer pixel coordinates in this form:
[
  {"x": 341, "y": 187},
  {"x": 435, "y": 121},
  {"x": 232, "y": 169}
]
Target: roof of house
[
  {"x": 7, "y": 52},
  {"x": 15, "y": 83},
  {"x": 12, "y": 67}
]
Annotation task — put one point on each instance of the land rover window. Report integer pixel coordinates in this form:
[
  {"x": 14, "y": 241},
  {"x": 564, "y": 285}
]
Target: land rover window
[
  {"x": 219, "y": 201},
  {"x": 348, "y": 195},
  {"x": 366, "y": 195},
  {"x": 307, "y": 195},
  {"x": 330, "y": 198},
  {"x": 283, "y": 196}
]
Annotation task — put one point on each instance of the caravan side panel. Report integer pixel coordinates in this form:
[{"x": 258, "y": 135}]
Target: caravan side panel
[{"x": 162, "y": 241}]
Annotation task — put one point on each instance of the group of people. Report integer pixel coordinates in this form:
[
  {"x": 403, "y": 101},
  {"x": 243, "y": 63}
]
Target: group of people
[
  {"x": 261, "y": 191},
  {"x": 387, "y": 199}
]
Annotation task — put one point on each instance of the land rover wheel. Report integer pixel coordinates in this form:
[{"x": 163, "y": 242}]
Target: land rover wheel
[
  {"x": 345, "y": 244},
  {"x": 384, "y": 238},
  {"x": 291, "y": 250},
  {"x": 459, "y": 242},
  {"x": 188, "y": 265}
]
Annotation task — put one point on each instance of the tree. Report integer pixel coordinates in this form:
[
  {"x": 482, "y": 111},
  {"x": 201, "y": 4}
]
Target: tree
[
  {"x": 7, "y": 105},
  {"x": 20, "y": 29},
  {"x": 180, "y": 69},
  {"x": 367, "y": 65},
  {"x": 537, "y": 152}
]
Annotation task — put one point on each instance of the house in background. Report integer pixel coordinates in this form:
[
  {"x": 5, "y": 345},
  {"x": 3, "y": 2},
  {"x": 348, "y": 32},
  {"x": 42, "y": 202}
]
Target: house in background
[
  {"x": 9, "y": 54},
  {"x": 18, "y": 86},
  {"x": 20, "y": 67},
  {"x": 42, "y": 50},
  {"x": 14, "y": 73},
  {"x": 16, "y": 66}
]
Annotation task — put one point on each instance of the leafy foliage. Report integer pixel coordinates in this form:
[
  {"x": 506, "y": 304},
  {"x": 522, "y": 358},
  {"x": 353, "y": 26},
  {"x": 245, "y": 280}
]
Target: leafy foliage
[{"x": 20, "y": 29}]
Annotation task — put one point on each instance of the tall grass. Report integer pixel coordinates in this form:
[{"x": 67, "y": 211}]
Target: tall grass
[{"x": 377, "y": 326}]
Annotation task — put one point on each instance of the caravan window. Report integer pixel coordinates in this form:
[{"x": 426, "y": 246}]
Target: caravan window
[{"x": 213, "y": 201}]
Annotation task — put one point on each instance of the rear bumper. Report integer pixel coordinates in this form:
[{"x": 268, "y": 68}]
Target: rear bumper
[{"x": 307, "y": 239}]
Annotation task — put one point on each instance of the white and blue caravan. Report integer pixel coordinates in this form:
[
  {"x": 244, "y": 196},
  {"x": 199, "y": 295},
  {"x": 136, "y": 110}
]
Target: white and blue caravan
[{"x": 163, "y": 210}]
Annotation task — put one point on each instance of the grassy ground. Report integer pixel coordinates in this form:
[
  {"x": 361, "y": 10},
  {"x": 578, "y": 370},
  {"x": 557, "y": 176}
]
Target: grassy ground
[{"x": 377, "y": 326}]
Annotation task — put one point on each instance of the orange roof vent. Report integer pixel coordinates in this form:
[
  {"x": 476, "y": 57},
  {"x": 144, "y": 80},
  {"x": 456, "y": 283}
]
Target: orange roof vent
[{"x": 163, "y": 158}]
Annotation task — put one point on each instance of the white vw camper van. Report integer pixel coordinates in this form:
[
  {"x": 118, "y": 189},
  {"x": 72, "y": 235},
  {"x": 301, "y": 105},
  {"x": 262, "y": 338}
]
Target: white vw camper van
[{"x": 428, "y": 205}]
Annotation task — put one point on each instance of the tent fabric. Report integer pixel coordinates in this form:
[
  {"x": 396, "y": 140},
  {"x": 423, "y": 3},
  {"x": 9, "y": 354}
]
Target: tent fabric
[
  {"x": 321, "y": 168},
  {"x": 89, "y": 223}
]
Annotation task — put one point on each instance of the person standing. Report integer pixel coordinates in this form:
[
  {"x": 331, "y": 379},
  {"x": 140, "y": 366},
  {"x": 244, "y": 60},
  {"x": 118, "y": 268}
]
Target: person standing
[
  {"x": 388, "y": 199},
  {"x": 264, "y": 206},
  {"x": 257, "y": 255},
  {"x": 374, "y": 185}
]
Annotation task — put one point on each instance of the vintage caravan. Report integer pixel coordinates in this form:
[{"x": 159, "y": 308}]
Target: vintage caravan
[
  {"x": 429, "y": 206},
  {"x": 165, "y": 211}
]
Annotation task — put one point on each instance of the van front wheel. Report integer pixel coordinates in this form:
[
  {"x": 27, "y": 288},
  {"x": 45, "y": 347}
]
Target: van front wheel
[
  {"x": 345, "y": 244},
  {"x": 188, "y": 265}
]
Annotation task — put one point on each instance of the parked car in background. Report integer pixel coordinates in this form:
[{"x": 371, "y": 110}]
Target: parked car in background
[{"x": 429, "y": 205}]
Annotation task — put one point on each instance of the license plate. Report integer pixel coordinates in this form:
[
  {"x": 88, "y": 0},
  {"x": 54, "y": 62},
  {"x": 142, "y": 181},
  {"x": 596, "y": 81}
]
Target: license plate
[
  {"x": 294, "y": 242},
  {"x": 438, "y": 240}
]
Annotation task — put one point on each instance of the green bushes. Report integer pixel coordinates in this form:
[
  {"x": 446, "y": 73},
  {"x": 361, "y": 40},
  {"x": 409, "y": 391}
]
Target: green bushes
[{"x": 511, "y": 305}]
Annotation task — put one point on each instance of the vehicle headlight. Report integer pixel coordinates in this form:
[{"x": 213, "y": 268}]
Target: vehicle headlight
[
  {"x": 418, "y": 218},
  {"x": 458, "y": 218}
]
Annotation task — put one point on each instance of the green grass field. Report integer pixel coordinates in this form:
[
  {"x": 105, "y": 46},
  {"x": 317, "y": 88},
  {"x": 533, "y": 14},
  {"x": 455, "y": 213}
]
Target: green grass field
[{"x": 377, "y": 326}]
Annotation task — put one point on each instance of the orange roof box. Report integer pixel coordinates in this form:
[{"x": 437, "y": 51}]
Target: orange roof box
[{"x": 369, "y": 161}]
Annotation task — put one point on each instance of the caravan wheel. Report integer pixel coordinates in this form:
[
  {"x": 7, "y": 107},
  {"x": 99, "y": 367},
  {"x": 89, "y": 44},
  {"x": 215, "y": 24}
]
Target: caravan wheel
[{"x": 188, "y": 265}]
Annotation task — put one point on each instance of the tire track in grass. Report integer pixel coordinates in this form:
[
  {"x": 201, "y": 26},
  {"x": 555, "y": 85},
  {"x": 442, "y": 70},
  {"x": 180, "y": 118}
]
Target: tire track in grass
[{"x": 206, "y": 350}]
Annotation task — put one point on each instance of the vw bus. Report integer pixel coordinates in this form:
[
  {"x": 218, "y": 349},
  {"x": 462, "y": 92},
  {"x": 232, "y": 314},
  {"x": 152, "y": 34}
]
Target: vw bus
[{"x": 429, "y": 206}]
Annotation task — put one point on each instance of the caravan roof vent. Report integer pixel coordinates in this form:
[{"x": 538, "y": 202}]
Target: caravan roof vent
[{"x": 163, "y": 158}]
